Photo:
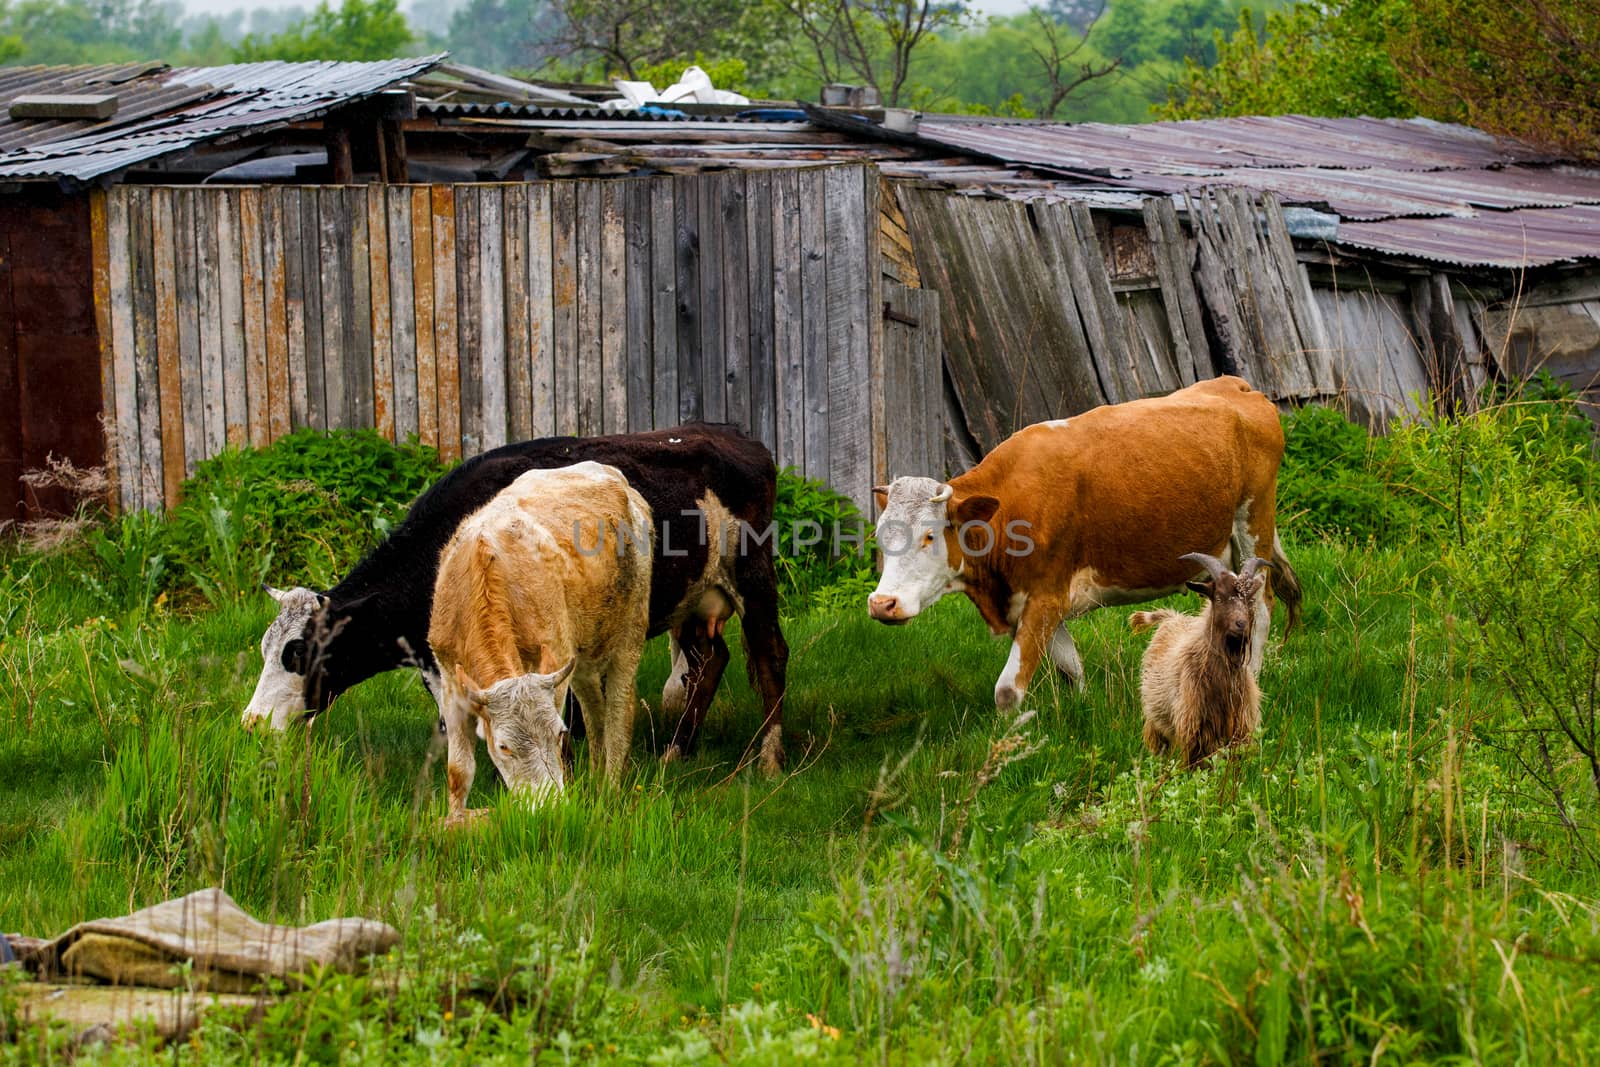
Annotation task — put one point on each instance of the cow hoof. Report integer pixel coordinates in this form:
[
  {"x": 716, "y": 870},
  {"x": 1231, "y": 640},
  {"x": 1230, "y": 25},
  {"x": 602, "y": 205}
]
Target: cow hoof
[
  {"x": 673, "y": 754},
  {"x": 462, "y": 819},
  {"x": 1007, "y": 697}
]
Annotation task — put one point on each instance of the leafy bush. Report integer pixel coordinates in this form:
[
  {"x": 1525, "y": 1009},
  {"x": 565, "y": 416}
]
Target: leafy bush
[
  {"x": 1334, "y": 479},
  {"x": 299, "y": 512},
  {"x": 822, "y": 538}
]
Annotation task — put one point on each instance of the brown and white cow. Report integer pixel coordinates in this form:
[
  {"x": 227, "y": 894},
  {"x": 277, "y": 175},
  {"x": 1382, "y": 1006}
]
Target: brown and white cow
[
  {"x": 1074, "y": 514},
  {"x": 547, "y": 583}
]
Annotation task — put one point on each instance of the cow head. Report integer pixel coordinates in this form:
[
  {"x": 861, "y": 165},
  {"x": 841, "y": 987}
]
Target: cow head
[
  {"x": 527, "y": 738},
  {"x": 921, "y": 534},
  {"x": 286, "y": 657}
]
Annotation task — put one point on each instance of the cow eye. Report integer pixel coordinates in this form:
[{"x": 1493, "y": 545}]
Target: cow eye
[
  {"x": 505, "y": 749},
  {"x": 294, "y": 656},
  {"x": 927, "y": 539}
]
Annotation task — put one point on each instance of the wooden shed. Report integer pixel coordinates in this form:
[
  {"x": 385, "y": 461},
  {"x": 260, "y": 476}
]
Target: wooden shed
[{"x": 432, "y": 250}]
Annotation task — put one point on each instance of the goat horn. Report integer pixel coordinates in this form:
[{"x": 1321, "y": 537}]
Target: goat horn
[
  {"x": 943, "y": 493},
  {"x": 1212, "y": 564},
  {"x": 1251, "y": 565}
]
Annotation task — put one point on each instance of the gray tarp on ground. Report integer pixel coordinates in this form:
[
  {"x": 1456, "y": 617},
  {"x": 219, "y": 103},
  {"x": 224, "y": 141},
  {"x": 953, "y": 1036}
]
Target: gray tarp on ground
[{"x": 229, "y": 948}]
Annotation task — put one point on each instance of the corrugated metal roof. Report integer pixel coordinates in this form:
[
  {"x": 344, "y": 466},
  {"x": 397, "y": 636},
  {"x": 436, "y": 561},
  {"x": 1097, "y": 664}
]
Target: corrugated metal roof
[
  {"x": 163, "y": 111},
  {"x": 1532, "y": 237},
  {"x": 1409, "y": 187},
  {"x": 1216, "y": 146}
]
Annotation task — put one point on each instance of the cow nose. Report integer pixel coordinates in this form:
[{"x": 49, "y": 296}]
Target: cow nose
[{"x": 883, "y": 607}]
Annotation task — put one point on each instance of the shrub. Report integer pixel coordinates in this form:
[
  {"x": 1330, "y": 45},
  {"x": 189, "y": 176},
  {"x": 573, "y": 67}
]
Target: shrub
[
  {"x": 1333, "y": 481},
  {"x": 813, "y": 521},
  {"x": 301, "y": 511}
]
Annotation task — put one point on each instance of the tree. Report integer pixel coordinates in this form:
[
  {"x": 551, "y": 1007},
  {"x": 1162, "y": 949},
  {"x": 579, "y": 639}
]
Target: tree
[
  {"x": 359, "y": 29},
  {"x": 872, "y": 41},
  {"x": 1528, "y": 70},
  {"x": 1059, "y": 59},
  {"x": 90, "y": 31},
  {"x": 504, "y": 34},
  {"x": 1312, "y": 59},
  {"x": 624, "y": 36}
]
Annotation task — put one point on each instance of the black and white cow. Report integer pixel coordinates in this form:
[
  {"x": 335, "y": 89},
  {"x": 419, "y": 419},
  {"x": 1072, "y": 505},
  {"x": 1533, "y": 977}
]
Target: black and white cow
[{"x": 695, "y": 478}]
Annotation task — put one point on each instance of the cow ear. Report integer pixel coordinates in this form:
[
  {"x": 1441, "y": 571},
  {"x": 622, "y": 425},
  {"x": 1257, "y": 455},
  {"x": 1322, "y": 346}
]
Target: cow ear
[
  {"x": 975, "y": 509},
  {"x": 1203, "y": 588},
  {"x": 474, "y": 693},
  {"x": 880, "y": 493}
]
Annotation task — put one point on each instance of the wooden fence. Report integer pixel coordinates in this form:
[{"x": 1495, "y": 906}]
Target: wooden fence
[{"x": 473, "y": 315}]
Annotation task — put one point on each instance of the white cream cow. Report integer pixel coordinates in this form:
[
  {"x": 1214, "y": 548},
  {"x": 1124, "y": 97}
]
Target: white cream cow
[{"x": 548, "y": 584}]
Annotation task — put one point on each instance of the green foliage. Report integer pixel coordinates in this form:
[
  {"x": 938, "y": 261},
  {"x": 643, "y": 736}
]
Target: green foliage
[
  {"x": 1335, "y": 480},
  {"x": 300, "y": 512},
  {"x": 1309, "y": 59},
  {"x": 357, "y": 30},
  {"x": 730, "y": 74},
  {"x": 86, "y": 31},
  {"x": 821, "y": 538}
]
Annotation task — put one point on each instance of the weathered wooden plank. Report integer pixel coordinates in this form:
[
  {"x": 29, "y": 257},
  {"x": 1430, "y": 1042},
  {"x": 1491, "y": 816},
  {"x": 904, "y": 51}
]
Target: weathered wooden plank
[
  {"x": 686, "y": 258},
  {"x": 519, "y": 380},
  {"x": 423, "y": 303},
  {"x": 318, "y": 413},
  {"x": 230, "y": 301},
  {"x": 491, "y": 318},
  {"x": 164, "y": 237},
  {"x": 639, "y": 304},
  {"x": 402, "y": 312},
  {"x": 564, "y": 304},
  {"x": 253, "y": 288},
  {"x": 355, "y": 285},
  {"x": 147, "y": 367},
  {"x": 1221, "y": 289},
  {"x": 274, "y": 304},
  {"x": 469, "y": 304},
  {"x": 663, "y": 303},
  {"x": 788, "y": 303},
  {"x": 1313, "y": 333},
  {"x": 186, "y": 283},
  {"x": 377, "y": 267},
  {"x": 713, "y": 340},
  {"x": 928, "y": 355},
  {"x": 613, "y": 310},
  {"x": 736, "y": 268},
  {"x": 541, "y": 314},
  {"x": 120, "y": 256},
  {"x": 1111, "y": 350},
  {"x": 294, "y": 305},
  {"x": 849, "y": 410},
  {"x": 878, "y": 457},
  {"x": 100, "y": 271},
  {"x": 333, "y": 237},
  {"x": 589, "y": 357},
  {"x": 815, "y": 331},
  {"x": 447, "y": 362},
  {"x": 902, "y": 442},
  {"x": 762, "y": 321},
  {"x": 214, "y": 429},
  {"x": 1167, "y": 274}
]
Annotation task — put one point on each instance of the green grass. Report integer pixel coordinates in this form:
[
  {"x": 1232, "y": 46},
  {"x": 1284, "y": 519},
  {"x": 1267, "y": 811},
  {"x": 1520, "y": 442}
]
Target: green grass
[{"x": 928, "y": 882}]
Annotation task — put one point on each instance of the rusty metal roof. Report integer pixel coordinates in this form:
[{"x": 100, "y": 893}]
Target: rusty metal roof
[
  {"x": 162, "y": 111},
  {"x": 1531, "y": 237},
  {"x": 1408, "y": 187},
  {"x": 1218, "y": 146}
]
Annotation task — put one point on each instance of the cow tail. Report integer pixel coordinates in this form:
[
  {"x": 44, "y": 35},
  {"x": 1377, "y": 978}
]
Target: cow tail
[
  {"x": 1140, "y": 621},
  {"x": 1285, "y": 584}
]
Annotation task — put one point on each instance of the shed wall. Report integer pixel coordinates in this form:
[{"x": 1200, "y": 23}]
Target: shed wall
[
  {"x": 472, "y": 315},
  {"x": 49, "y": 346}
]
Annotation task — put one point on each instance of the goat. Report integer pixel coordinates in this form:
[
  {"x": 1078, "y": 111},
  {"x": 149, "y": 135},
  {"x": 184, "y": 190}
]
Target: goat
[{"x": 1198, "y": 689}]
